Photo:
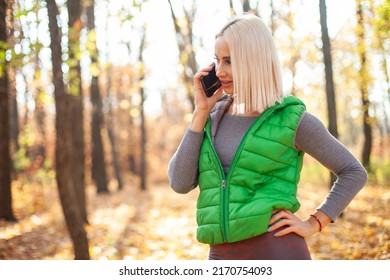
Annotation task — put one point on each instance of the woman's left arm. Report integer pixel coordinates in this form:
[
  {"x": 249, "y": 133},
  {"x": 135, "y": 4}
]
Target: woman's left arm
[{"x": 313, "y": 138}]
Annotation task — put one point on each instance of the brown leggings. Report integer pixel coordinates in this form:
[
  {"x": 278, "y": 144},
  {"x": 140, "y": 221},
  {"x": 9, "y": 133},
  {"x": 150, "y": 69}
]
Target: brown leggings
[{"x": 263, "y": 247}]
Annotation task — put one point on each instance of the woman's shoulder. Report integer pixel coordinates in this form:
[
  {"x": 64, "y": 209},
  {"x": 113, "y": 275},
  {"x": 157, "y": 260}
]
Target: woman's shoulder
[
  {"x": 308, "y": 120},
  {"x": 311, "y": 133}
]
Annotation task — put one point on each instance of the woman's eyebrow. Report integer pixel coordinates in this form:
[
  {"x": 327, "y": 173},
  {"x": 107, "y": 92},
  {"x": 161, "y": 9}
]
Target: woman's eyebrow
[{"x": 225, "y": 57}]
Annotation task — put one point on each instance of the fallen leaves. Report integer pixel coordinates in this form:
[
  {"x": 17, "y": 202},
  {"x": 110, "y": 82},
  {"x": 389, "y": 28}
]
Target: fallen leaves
[{"x": 160, "y": 225}]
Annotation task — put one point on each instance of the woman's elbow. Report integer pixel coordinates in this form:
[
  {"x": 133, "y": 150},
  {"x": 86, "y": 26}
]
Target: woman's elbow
[
  {"x": 179, "y": 187},
  {"x": 364, "y": 176}
]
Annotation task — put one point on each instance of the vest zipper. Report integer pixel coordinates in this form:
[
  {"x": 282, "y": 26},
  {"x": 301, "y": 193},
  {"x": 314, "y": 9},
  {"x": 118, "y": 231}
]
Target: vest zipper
[
  {"x": 224, "y": 194},
  {"x": 224, "y": 206}
]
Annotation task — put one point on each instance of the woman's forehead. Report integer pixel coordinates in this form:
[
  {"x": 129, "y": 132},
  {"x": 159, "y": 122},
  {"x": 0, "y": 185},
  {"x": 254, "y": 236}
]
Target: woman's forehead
[{"x": 221, "y": 48}]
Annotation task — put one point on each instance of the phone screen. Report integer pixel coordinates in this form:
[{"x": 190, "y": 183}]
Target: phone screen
[{"x": 211, "y": 83}]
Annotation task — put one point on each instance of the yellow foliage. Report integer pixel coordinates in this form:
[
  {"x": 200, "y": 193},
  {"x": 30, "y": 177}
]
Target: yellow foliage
[
  {"x": 94, "y": 68},
  {"x": 160, "y": 225}
]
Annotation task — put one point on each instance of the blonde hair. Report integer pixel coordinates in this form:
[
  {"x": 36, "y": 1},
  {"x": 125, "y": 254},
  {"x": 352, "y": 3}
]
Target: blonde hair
[{"x": 255, "y": 63}]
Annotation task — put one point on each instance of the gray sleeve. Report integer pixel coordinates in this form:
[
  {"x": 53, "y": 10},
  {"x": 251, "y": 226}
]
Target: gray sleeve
[
  {"x": 183, "y": 166},
  {"x": 313, "y": 138}
]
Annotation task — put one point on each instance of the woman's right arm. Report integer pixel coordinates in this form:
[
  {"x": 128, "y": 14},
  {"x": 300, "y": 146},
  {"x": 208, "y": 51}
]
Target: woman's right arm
[{"x": 183, "y": 167}]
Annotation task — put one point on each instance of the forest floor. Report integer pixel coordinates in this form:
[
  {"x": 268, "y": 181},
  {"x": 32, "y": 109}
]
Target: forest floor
[{"x": 159, "y": 224}]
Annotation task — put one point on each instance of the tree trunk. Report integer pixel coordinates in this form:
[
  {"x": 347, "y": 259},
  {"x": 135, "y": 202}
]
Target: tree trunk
[
  {"x": 111, "y": 137},
  {"x": 77, "y": 152},
  {"x": 40, "y": 117},
  {"x": 330, "y": 92},
  {"x": 14, "y": 114},
  {"x": 76, "y": 106},
  {"x": 110, "y": 122},
  {"x": 186, "y": 50},
  {"x": 246, "y": 6},
  {"x": 232, "y": 10},
  {"x": 294, "y": 52},
  {"x": 71, "y": 210},
  {"x": 98, "y": 162},
  {"x": 363, "y": 83},
  {"x": 6, "y": 211},
  {"x": 14, "y": 117},
  {"x": 143, "y": 166},
  {"x": 380, "y": 36},
  {"x": 273, "y": 18}
]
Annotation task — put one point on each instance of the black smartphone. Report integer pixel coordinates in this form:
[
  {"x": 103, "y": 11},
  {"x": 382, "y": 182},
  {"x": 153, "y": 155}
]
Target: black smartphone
[{"x": 210, "y": 83}]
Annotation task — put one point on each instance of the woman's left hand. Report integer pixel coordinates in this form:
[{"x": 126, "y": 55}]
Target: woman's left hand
[{"x": 291, "y": 223}]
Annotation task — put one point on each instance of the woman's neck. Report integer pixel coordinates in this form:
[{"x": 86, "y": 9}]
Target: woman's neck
[{"x": 234, "y": 111}]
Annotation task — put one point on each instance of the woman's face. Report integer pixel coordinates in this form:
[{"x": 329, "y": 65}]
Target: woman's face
[{"x": 223, "y": 65}]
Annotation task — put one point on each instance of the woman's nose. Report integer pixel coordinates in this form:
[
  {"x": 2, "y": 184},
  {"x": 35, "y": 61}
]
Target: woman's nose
[{"x": 219, "y": 71}]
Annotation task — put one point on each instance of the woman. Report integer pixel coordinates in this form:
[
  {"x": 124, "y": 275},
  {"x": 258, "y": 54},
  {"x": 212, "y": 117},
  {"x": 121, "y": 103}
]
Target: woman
[{"x": 244, "y": 147}]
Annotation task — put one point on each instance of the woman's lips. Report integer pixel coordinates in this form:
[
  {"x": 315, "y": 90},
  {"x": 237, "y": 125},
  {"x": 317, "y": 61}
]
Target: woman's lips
[{"x": 226, "y": 83}]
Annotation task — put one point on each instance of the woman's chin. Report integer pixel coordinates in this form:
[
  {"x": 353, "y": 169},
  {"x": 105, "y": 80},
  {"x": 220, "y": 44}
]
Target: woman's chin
[{"x": 228, "y": 91}]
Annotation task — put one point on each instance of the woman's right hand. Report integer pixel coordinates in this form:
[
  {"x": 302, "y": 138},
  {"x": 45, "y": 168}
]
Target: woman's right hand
[{"x": 203, "y": 104}]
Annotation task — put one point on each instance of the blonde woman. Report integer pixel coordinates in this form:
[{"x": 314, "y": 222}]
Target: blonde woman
[{"x": 244, "y": 148}]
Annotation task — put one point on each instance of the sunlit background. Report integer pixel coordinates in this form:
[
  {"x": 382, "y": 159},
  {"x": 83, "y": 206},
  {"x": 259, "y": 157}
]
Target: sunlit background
[{"x": 146, "y": 94}]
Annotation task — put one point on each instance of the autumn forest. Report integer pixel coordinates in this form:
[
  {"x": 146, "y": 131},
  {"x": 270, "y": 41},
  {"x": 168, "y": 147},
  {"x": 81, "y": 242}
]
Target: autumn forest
[{"x": 96, "y": 95}]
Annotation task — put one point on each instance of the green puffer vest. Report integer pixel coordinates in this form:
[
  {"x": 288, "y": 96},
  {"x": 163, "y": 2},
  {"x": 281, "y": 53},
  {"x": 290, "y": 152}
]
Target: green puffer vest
[{"x": 263, "y": 176}]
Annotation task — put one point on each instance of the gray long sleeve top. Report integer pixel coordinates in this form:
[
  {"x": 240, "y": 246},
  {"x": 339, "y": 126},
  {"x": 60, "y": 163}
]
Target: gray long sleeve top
[{"x": 312, "y": 137}]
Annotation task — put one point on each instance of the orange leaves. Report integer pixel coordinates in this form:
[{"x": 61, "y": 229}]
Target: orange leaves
[
  {"x": 361, "y": 233},
  {"x": 160, "y": 225}
]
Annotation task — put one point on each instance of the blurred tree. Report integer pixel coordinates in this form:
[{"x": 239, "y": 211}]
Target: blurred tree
[
  {"x": 382, "y": 31},
  {"x": 76, "y": 116},
  {"x": 330, "y": 92},
  {"x": 184, "y": 35},
  {"x": 19, "y": 36},
  {"x": 63, "y": 151},
  {"x": 131, "y": 98},
  {"x": 13, "y": 6},
  {"x": 110, "y": 116},
  {"x": 141, "y": 78},
  {"x": 273, "y": 17},
  {"x": 99, "y": 174},
  {"x": 289, "y": 42},
  {"x": 232, "y": 10},
  {"x": 29, "y": 138},
  {"x": 363, "y": 84},
  {"x": 14, "y": 118},
  {"x": 381, "y": 40},
  {"x": 294, "y": 52},
  {"x": 6, "y": 211},
  {"x": 40, "y": 114},
  {"x": 246, "y": 7},
  {"x": 111, "y": 134}
]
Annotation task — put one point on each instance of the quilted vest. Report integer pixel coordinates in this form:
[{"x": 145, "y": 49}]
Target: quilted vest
[{"x": 263, "y": 176}]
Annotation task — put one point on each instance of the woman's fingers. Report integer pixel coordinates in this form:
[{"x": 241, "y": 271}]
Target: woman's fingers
[
  {"x": 204, "y": 72},
  {"x": 283, "y": 218},
  {"x": 284, "y": 231},
  {"x": 217, "y": 95},
  {"x": 201, "y": 73},
  {"x": 198, "y": 85},
  {"x": 279, "y": 214},
  {"x": 284, "y": 222}
]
